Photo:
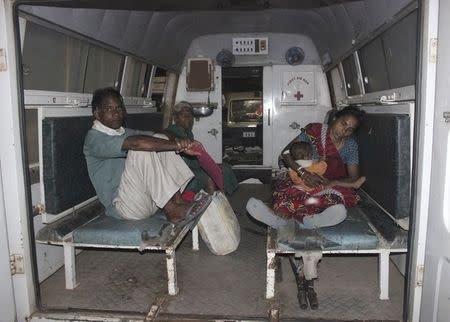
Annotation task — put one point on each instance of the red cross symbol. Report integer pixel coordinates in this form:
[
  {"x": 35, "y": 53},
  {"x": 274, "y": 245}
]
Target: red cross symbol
[{"x": 298, "y": 96}]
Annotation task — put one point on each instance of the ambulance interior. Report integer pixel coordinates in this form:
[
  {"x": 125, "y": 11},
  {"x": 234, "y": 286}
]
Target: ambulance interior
[{"x": 256, "y": 72}]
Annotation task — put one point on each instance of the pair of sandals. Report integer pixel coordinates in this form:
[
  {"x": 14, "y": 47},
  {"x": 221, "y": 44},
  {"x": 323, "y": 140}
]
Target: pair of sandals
[{"x": 306, "y": 294}]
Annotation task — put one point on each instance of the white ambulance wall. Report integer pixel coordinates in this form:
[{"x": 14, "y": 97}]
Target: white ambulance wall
[
  {"x": 207, "y": 130},
  {"x": 288, "y": 119},
  {"x": 278, "y": 44},
  {"x": 279, "y": 133}
]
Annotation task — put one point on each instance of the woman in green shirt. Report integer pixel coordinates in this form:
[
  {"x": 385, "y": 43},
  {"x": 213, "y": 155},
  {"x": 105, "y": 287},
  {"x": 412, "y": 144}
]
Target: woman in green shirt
[{"x": 182, "y": 128}]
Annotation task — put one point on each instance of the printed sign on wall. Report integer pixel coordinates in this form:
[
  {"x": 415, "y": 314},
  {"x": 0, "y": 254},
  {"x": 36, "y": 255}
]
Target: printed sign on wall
[{"x": 298, "y": 88}]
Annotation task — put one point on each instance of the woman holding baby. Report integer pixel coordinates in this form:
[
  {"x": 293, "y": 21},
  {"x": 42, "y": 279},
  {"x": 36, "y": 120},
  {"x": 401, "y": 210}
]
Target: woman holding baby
[
  {"x": 335, "y": 146},
  {"x": 323, "y": 173}
]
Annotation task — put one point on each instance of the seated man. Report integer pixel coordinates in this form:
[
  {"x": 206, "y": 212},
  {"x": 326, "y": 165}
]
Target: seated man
[
  {"x": 183, "y": 118},
  {"x": 135, "y": 174}
]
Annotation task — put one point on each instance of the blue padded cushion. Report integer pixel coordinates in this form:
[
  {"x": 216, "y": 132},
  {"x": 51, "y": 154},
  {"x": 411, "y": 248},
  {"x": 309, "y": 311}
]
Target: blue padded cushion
[
  {"x": 107, "y": 230},
  {"x": 384, "y": 156},
  {"x": 353, "y": 233},
  {"x": 66, "y": 180},
  {"x": 393, "y": 234}
]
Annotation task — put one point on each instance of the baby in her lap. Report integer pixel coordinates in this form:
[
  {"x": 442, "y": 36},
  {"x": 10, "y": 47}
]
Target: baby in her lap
[{"x": 301, "y": 153}]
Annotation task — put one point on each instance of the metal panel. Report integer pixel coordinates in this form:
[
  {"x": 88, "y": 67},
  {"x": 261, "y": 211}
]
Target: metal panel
[
  {"x": 373, "y": 67},
  {"x": 437, "y": 277},
  {"x": 351, "y": 76},
  {"x": 8, "y": 307},
  {"x": 400, "y": 50},
  {"x": 13, "y": 181},
  {"x": 443, "y": 309}
]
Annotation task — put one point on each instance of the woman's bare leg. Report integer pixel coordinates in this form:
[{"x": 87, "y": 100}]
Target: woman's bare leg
[
  {"x": 331, "y": 216},
  {"x": 263, "y": 213}
]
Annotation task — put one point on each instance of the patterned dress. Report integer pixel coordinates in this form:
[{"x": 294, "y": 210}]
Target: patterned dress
[{"x": 290, "y": 202}]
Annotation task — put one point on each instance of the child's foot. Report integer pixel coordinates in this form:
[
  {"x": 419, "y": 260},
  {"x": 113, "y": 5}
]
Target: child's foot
[{"x": 358, "y": 183}]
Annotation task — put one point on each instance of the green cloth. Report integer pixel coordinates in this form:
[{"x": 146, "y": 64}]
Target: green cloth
[
  {"x": 105, "y": 162},
  {"x": 200, "y": 176}
]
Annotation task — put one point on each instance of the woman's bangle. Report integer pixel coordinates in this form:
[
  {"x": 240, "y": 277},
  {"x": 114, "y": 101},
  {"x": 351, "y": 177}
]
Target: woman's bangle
[{"x": 300, "y": 172}]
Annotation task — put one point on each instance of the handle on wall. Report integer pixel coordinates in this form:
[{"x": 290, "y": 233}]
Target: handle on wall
[
  {"x": 268, "y": 117},
  {"x": 294, "y": 126},
  {"x": 213, "y": 132}
]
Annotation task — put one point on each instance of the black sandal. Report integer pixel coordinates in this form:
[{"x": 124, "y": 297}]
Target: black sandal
[
  {"x": 311, "y": 294},
  {"x": 302, "y": 295}
]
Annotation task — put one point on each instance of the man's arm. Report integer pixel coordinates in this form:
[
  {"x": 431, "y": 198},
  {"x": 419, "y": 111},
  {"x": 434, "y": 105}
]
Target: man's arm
[{"x": 153, "y": 144}]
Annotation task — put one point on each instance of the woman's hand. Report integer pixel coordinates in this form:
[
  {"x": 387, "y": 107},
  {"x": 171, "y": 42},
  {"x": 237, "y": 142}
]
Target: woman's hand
[
  {"x": 186, "y": 145},
  {"x": 192, "y": 153},
  {"x": 312, "y": 180},
  {"x": 286, "y": 157}
]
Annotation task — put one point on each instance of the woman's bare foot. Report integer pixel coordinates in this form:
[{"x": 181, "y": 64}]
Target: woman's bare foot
[{"x": 358, "y": 183}]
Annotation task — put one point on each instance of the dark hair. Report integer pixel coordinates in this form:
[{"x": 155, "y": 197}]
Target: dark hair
[
  {"x": 300, "y": 150},
  {"x": 102, "y": 93},
  {"x": 354, "y": 111}
]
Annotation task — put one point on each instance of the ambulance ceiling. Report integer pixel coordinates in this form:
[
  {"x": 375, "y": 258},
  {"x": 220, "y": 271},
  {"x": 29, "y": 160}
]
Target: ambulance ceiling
[{"x": 160, "y": 31}]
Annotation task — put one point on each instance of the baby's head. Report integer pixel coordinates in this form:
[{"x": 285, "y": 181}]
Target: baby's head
[{"x": 301, "y": 152}]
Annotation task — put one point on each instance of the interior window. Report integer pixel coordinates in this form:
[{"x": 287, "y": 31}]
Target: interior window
[
  {"x": 158, "y": 86},
  {"x": 103, "y": 69},
  {"x": 331, "y": 87},
  {"x": 55, "y": 55},
  {"x": 373, "y": 66},
  {"x": 400, "y": 51},
  {"x": 135, "y": 78},
  {"x": 351, "y": 76},
  {"x": 248, "y": 111},
  {"x": 336, "y": 85},
  {"x": 147, "y": 78}
]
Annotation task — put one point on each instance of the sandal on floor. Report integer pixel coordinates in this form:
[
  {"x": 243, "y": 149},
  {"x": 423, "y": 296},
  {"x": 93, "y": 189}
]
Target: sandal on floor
[
  {"x": 202, "y": 200},
  {"x": 311, "y": 294},
  {"x": 302, "y": 295}
]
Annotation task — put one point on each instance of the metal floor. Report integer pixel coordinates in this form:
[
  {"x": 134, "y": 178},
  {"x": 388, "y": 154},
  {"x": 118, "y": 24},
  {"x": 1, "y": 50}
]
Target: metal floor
[{"x": 231, "y": 286}]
